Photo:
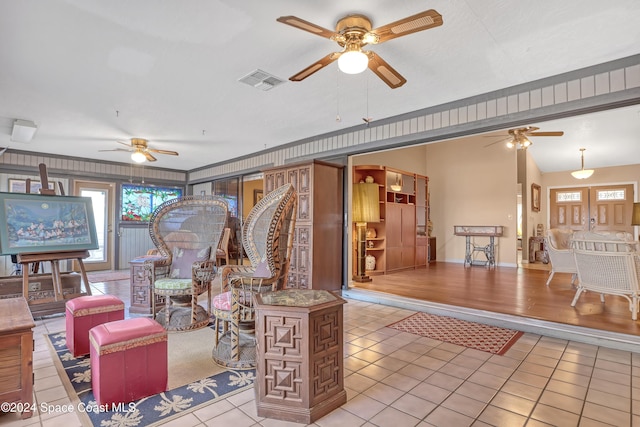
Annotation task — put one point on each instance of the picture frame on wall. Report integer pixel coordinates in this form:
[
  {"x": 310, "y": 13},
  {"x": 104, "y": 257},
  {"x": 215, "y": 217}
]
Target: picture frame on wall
[
  {"x": 535, "y": 197},
  {"x": 257, "y": 196},
  {"x": 20, "y": 186},
  {"x": 36, "y": 223}
]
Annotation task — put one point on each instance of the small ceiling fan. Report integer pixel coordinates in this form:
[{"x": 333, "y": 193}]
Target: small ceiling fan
[
  {"x": 518, "y": 138},
  {"x": 352, "y": 33},
  {"x": 140, "y": 151}
]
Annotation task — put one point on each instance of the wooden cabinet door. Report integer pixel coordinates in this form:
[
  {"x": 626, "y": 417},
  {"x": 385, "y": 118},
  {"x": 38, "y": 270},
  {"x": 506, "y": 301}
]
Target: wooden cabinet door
[
  {"x": 408, "y": 225},
  {"x": 394, "y": 225}
]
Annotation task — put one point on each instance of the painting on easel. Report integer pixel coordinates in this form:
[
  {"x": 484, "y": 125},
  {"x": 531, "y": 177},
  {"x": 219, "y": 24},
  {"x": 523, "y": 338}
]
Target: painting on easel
[{"x": 35, "y": 223}]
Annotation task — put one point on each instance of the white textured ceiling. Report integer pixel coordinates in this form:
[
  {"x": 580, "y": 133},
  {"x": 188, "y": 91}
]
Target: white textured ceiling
[{"x": 90, "y": 72}]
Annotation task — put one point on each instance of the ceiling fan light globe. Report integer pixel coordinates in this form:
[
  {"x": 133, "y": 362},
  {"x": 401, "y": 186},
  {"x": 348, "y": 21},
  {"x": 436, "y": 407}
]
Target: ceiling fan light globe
[
  {"x": 138, "y": 157},
  {"x": 353, "y": 62},
  {"x": 510, "y": 144}
]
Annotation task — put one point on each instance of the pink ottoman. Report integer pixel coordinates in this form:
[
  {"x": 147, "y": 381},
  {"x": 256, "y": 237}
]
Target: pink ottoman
[
  {"x": 83, "y": 313},
  {"x": 128, "y": 360}
]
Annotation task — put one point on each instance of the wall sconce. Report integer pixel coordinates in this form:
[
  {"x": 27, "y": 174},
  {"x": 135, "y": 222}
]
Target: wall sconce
[{"x": 365, "y": 208}]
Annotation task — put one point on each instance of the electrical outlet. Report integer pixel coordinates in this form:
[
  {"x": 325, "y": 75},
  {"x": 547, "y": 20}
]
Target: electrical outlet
[{"x": 34, "y": 286}]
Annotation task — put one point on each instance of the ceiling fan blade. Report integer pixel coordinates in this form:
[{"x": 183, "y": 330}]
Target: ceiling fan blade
[
  {"x": 171, "y": 153},
  {"x": 301, "y": 24},
  {"x": 124, "y": 143},
  {"x": 383, "y": 70},
  {"x": 149, "y": 156},
  {"x": 558, "y": 133},
  {"x": 503, "y": 140},
  {"x": 318, "y": 65},
  {"x": 116, "y": 149},
  {"x": 411, "y": 24}
]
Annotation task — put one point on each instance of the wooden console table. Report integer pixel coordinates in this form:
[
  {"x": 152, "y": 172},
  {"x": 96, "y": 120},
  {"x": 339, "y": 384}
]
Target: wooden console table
[
  {"x": 16, "y": 353},
  {"x": 300, "y": 369}
]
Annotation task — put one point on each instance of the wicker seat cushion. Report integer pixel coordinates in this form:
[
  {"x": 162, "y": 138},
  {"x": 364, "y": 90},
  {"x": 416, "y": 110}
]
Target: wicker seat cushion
[
  {"x": 223, "y": 301},
  {"x": 560, "y": 238},
  {"x": 172, "y": 284}
]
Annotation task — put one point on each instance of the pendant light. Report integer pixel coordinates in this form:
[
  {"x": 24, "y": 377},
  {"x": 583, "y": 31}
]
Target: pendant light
[{"x": 582, "y": 173}]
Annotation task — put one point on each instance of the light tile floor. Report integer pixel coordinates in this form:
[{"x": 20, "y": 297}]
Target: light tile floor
[{"x": 398, "y": 379}]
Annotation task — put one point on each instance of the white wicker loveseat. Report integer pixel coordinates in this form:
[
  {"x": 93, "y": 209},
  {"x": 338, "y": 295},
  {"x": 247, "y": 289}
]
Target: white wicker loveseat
[{"x": 607, "y": 263}]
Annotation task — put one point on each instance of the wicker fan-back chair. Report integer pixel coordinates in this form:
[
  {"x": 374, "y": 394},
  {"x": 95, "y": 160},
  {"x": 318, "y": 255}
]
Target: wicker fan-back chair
[
  {"x": 222, "y": 252},
  {"x": 186, "y": 232},
  {"x": 557, "y": 243},
  {"x": 608, "y": 264},
  {"x": 267, "y": 240}
]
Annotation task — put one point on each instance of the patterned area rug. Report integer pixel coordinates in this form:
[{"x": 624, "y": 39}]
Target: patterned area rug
[
  {"x": 149, "y": 411},
  {"x": 487, "y": 338}
]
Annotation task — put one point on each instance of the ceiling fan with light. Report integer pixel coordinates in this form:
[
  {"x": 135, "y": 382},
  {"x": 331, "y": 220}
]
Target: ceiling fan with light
[
  {"x": 519, "y": 138},
  {"x": 140, "y": 151},
  {"x": 352, "y": 33}
]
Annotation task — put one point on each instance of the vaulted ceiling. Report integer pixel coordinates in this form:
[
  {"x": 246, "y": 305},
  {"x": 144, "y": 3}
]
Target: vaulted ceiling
[{"x": 90, "y": 73}]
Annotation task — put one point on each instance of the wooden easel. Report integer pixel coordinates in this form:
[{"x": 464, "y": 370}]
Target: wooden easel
[{"x": 53, "y": 257}]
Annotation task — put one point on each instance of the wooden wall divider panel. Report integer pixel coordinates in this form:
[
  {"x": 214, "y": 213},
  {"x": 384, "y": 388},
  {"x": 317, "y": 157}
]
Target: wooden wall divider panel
[{"x": 316, "y": 260}]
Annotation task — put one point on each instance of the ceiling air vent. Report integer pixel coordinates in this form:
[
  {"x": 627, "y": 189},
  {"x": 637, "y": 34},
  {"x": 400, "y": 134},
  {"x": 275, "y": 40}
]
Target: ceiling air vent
[{"x": 261, "y": 80}]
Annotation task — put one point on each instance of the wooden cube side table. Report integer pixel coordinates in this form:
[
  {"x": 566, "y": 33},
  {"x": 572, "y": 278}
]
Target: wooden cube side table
[
  {"x": 16, "y": 353},
  {"x": 300, "y": 366}
]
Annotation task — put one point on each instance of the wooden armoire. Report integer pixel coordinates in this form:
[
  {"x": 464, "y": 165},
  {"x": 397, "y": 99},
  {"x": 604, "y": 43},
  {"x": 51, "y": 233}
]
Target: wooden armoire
[{"x": 316, "y": 259}]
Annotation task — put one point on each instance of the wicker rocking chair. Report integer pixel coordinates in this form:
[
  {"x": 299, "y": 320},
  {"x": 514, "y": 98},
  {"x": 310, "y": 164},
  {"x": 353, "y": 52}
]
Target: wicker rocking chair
[
  {"x": 267, "y": 240},
  {"x": 186, "y": 232}
]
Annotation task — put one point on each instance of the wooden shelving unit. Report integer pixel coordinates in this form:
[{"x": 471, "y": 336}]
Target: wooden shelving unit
[{"x": 397, "y": 244}]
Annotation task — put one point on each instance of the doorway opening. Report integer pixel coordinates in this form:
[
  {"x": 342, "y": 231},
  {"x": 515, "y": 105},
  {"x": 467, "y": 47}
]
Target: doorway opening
[{"x": 102, "y": 200}]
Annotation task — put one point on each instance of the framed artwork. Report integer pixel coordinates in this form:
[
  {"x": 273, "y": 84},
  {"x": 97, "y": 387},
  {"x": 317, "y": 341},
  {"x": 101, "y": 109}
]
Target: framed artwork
[
  {"x": 139, "y": 201},
  {"x": 20, "y": 186},
  {"x": 535, "y": 197},
  {"x": 257, "y": 196},
  {"x": 36, "y": 223}
]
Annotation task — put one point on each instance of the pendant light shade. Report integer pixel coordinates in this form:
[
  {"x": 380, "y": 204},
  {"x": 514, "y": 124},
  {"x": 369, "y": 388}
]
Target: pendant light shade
[{"x": 582, "y": 173}]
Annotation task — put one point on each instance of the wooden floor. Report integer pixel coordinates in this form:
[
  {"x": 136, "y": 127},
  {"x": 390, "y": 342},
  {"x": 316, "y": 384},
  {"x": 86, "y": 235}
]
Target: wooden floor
[{"x": 509, "y": 290}]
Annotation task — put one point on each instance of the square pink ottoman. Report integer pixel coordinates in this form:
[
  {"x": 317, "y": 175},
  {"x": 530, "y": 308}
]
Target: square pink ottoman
[
  {"x": 83, "y": 313},
  {"x": 128, "y": 360}
]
